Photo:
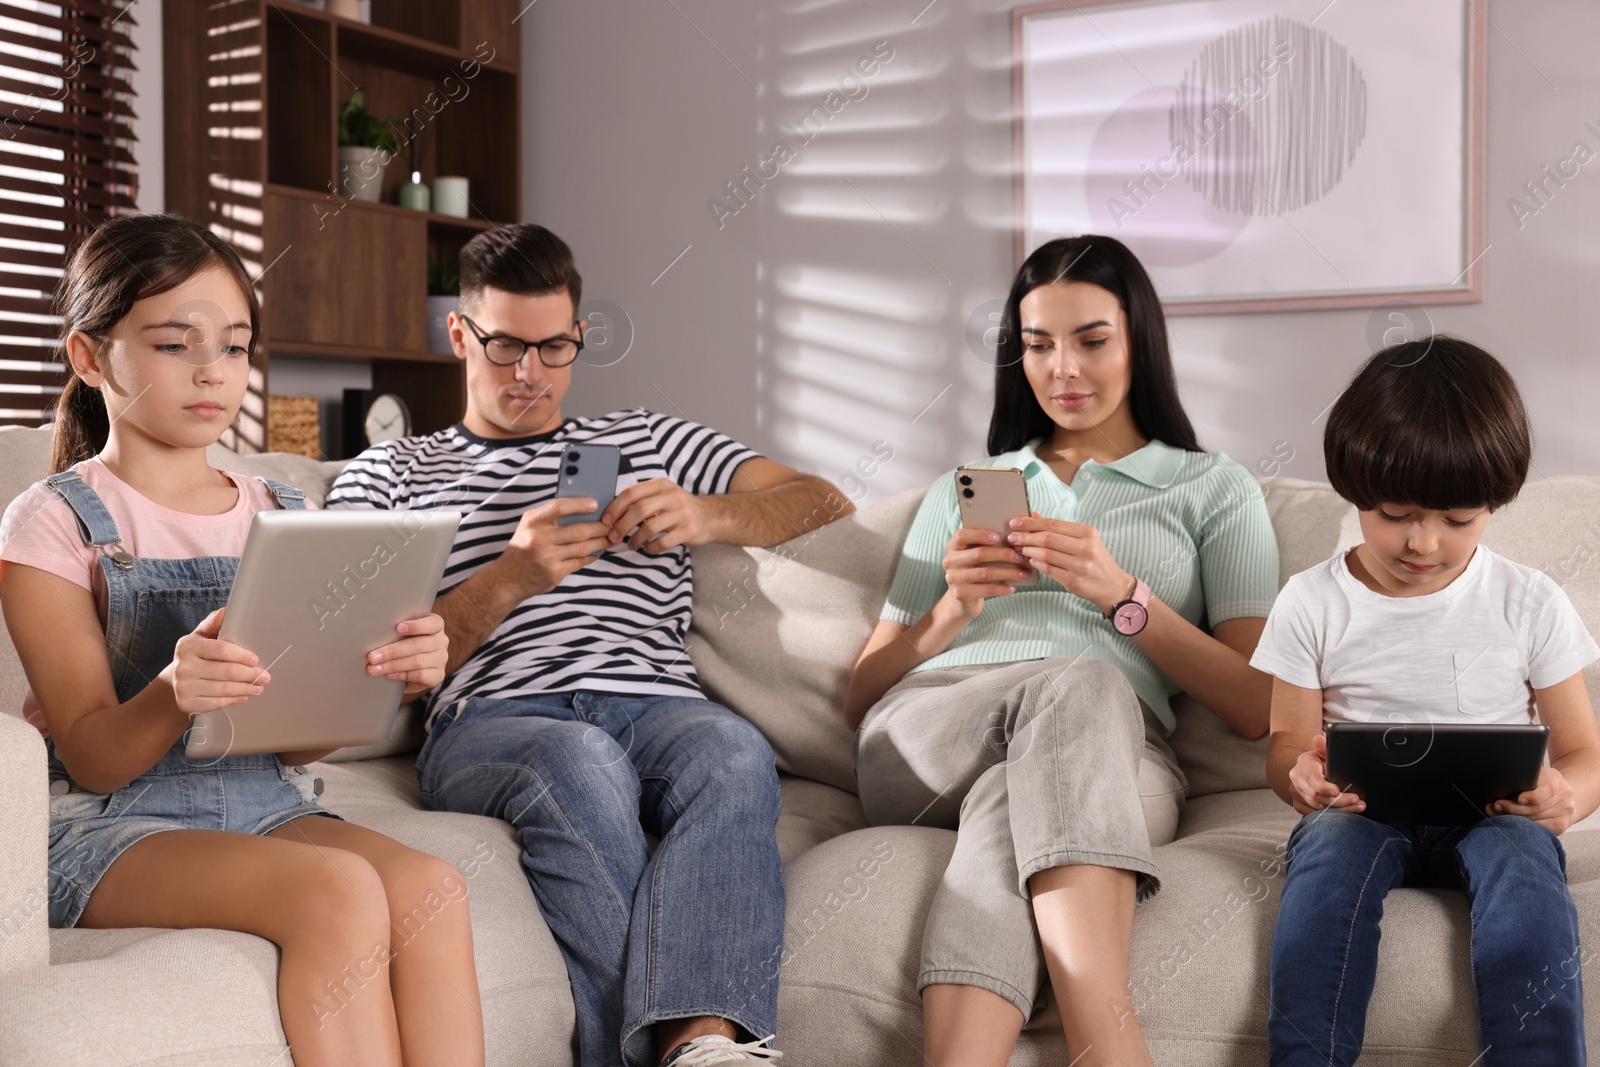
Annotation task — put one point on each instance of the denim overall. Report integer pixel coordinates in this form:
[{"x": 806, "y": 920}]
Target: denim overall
[{"x": 152, "y": 603}]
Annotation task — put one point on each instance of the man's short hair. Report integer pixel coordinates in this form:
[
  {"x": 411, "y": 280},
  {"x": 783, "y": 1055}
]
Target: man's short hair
[
  {"x": 524, "y": 259},
  {"x": 1435, "y": 423}
]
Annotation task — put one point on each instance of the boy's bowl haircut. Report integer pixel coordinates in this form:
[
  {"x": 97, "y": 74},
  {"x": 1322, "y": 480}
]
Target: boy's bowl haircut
[{"x": 1435, "y": 423}]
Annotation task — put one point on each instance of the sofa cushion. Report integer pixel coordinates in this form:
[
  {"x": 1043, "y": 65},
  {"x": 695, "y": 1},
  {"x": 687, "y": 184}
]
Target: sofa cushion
[
  {"x": 811, "y": 813},
  {"x": 24, "y": 459},
  {"x": 1310, "y": 522},
  {"x": 1554, "y": 526},
  {"x": 1244, "y": 807},
  {"x": 24, "y": 827},
  {"x": 1212, "y": 755},
  {"x": 151, "y": 997},
  {"x": 311, "y": 476},
  {"x": 1199, "y": 959},
  {"x": 131, "y": 996},
  {"x": 777, "y": 630}
]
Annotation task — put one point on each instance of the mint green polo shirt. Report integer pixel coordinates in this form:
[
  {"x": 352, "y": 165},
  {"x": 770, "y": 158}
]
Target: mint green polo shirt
[{"x": 1193, "y": 525}]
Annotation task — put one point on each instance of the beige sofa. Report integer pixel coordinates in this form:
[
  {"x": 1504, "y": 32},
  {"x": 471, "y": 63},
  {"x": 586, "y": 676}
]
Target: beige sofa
[{"x": 774, "y": 635}]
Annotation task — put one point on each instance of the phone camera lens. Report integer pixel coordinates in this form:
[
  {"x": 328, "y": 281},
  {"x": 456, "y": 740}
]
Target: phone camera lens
[
  {"x": 966, "y": 479},
  {"x": 967, "y": 493},
  {"x": 572, "y": 470},
  {"x": 574, "y": 455}
]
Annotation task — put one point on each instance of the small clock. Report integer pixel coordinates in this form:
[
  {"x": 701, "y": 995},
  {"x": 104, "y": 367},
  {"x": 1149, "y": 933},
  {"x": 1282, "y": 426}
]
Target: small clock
[{"x": 371, "y": 416}]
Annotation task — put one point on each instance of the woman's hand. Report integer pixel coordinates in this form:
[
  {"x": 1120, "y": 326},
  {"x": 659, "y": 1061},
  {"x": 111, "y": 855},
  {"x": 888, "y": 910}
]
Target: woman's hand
[
  {"x": 1308, "y": 782},
  {"x": 206, "y": 673},
  {"x": 1073, "y": 554},
  {"x": 978, "y": 566},
  {"x": 1550, "y": 803},
  {"x": 418, "y": 657}
]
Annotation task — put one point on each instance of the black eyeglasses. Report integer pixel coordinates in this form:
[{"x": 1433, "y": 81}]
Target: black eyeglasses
[{"x": 503, "y": 350}]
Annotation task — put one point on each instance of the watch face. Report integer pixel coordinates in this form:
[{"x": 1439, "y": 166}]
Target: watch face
[
  {"x": 1129, "y": 618},
  {"x": 386, "y": 419}
]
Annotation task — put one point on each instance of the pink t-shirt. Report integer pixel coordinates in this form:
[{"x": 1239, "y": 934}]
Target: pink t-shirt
[{"x": 40, "y": 530}]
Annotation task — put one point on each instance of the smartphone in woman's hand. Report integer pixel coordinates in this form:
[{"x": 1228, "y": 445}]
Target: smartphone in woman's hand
[{"x": 990, "y": 497}]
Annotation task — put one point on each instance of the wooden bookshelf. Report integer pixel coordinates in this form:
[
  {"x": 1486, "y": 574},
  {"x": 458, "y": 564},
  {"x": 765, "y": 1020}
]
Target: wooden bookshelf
[{"x": 253, "y": 89}]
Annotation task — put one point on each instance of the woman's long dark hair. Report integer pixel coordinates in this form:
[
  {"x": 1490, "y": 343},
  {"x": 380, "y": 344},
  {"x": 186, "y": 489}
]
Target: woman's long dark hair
[
  {"x": 121, "y": 263},
  {"x": 1153, "y": 390}
]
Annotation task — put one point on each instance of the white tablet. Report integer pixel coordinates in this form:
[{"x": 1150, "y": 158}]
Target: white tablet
[{"x": 315, "y": 592}]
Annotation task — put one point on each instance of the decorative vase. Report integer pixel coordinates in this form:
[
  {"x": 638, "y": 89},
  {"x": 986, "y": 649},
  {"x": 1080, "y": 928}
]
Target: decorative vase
[
  {"x": 439, "y": 308},
  {"x": 361, "y": 173},
  {"x": 413, "y": 194},
  {"x": 450, "y": 196}
]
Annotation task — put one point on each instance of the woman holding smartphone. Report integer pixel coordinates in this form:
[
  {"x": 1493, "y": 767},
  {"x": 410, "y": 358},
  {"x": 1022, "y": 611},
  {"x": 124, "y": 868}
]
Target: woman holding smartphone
[{"x": 1016, "y": 687}]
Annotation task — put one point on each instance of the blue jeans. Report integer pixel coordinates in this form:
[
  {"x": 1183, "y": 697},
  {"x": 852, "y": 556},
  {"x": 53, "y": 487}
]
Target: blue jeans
[
  {"x": 694, "y": 929},
  {"x": 1525, "y": 956}
]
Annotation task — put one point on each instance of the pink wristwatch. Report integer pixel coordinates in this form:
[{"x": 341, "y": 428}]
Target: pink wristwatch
[{"x": 1130, "y": 615}]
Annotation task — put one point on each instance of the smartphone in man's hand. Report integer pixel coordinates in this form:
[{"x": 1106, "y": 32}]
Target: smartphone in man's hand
[{"x": 588, "y": 471}]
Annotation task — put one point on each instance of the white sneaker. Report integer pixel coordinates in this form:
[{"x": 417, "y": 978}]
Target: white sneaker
[{"x": 716, "y": 1049}]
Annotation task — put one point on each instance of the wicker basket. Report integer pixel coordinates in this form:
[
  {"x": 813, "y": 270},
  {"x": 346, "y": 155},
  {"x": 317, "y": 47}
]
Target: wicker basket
[{"x": 292, "y": 426}]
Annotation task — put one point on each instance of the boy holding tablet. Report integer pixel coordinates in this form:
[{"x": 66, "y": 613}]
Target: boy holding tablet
[
  {"x": 1421, "y": 623},
  {"x": 570, "y": 707}
]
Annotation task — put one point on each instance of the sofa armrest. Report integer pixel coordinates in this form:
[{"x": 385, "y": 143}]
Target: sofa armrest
[{"x": 24, "y": 842}]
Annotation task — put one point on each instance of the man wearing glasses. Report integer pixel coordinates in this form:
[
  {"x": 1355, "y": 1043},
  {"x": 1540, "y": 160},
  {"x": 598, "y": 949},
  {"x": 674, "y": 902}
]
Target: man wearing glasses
[{"x": 570, "y": 707}]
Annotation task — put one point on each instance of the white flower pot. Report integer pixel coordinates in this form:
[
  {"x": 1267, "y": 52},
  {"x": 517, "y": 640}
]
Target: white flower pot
[
  {"x": 439, "y": 308},
  {"x": 361, "y": 173}
]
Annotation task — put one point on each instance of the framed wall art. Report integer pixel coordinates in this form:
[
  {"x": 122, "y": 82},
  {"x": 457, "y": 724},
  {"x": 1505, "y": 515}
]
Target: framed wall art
[{"x": 1259, "y": 154}]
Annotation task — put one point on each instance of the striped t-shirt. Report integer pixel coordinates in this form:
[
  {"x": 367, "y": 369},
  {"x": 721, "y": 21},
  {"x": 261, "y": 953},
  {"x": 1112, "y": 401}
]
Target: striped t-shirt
[
  {"x": 1193, "y": 525},
  {"x": 614, "y": 626}
]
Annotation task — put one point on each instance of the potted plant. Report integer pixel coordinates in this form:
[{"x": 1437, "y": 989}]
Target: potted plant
[
  {"x": 444, "y": 296},
  {"x": 366, "y": 145}
]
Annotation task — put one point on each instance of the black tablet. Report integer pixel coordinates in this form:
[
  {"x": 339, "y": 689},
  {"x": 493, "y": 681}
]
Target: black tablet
[{"x": 1427, "y": 774}]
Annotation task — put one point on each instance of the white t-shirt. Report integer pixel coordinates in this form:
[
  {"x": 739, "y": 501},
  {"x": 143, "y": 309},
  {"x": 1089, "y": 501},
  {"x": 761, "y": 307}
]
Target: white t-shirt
[{"x": 1471, "y": 652}]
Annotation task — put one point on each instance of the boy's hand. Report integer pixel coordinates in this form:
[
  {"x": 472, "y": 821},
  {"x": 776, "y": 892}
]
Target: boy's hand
[
  {"x": 1550, "y": 803},
  {"x": 418, "y": 657},
  {"x": 1309, "y": 781}
]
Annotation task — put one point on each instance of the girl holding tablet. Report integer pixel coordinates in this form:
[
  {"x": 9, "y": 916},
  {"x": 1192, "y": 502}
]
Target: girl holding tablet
[
  {"x": 115, "y": 572},
  {"x": 1032, "y": 717}
]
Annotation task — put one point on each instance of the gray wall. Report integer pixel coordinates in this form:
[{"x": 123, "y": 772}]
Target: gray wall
[{"x": 829, "y": 312}]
